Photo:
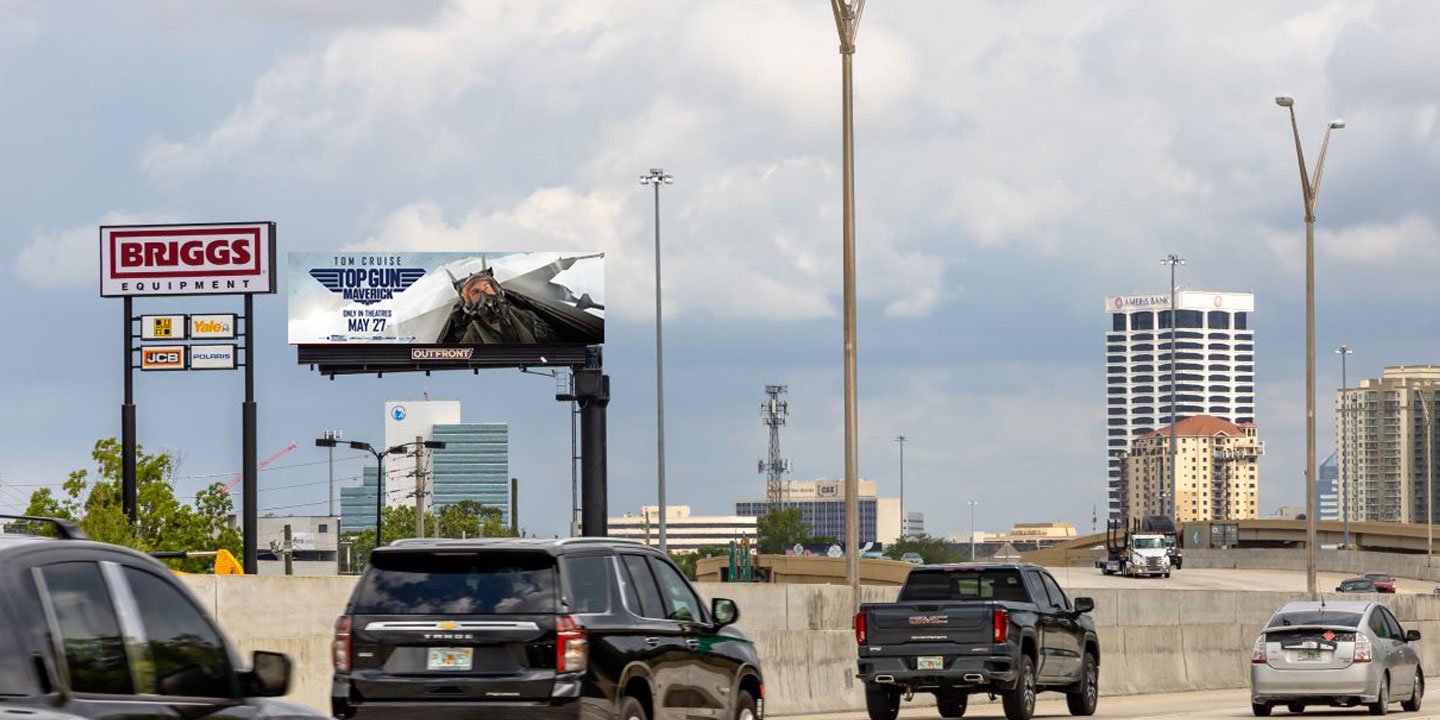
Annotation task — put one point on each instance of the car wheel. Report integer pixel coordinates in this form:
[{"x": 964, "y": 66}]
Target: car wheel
[
  {"x": 745, "y": 707},
  {"x": 1413, "y": 704},
  {"x": 1086, "y": 697},
  {"x": 1260, "y": 709},
  {"x": 952, "y": 705},
  {"x": 1020, "y": 702},
  {"x": 1296, "y": 708},
  {"x": 883, "y": 703},
  {"x": 631, "y": 709},
  {"x": 1381, "y": 705}
]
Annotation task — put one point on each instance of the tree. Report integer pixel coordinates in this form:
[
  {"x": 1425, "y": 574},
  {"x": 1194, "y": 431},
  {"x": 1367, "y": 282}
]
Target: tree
[
  {"x": 465, "y": 519},
  {"x": 932, "y": 550},
  {"x": 163, "y": 521},
  {"x": 686, "y": 560},
  {"x": 780, "y": 529}
]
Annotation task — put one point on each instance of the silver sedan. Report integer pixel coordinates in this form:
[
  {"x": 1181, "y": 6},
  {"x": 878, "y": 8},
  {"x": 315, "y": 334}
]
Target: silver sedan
[{"x": 1339, "y": 654}]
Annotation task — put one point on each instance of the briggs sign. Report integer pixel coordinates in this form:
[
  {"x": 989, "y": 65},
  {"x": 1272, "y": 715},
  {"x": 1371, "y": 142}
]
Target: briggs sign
[{"x": 219, "y": 259}]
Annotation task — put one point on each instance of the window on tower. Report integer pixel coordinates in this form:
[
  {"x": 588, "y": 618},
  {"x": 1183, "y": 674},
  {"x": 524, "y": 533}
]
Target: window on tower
[
  {"x": 1191, "y": 318},
  {"x": 1220, "y": 319},
  {"x": 1242, "y": 321},
  {"x": 1142, "y": 321}
]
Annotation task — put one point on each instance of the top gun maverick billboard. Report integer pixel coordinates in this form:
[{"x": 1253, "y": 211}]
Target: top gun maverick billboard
[{"x": 456, "y": 299}]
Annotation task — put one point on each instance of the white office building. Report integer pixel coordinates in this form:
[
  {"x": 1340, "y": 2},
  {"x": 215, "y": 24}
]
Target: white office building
[
  {"x": 1214, "y": 366},
  {"x": 683, "y": 532}
]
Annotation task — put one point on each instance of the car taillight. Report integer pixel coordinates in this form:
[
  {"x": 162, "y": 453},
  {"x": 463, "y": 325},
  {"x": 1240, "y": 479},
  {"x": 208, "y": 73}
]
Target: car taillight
[
  {"x": 1363, "y": 653},
  {"x": 1002, "y": 625},
  {"x": 572, "y": 648},
  {"x": 861, "y": 636},
  {"x": 1257, "y": 654},
  {"x": 340, "y": 649}
]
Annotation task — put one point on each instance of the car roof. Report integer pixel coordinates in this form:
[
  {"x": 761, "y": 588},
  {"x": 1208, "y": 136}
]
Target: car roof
[
  {"x": 553, "y": 546},
  {"x": 1310, "y": 605},
  {"x": 978, "y": 566}
]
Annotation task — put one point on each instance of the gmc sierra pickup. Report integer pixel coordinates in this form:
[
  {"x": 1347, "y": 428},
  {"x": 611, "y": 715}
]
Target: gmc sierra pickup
[{"x": 994, "y": 628}]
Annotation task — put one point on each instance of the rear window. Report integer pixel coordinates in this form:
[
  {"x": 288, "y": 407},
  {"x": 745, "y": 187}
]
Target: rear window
[
  {"x": 1315, "y": 617},
  {"x": 1379, "y": 577},
  {"x": 1004, "y": 585},
  {"x": 493, "y": 583}
]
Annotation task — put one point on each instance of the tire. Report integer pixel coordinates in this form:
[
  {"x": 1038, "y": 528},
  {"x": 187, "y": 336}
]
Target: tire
[
  {"x": 1382, "y": 705},
  {"x": 1167, "y": 576},
  {"x": 1260, "y": 709},
  {"x": 631, "y": 709},
  {"x": 1020, "y": 702},
  {"x": 1295, "y": 708},
  {"x": 881, "y": 702},
  {"x": 1083, "y": 701},
  {"x": 952, "y": 705},
  {"x": 1413, "y": 704},
  {"x": 745, "y": 707}
]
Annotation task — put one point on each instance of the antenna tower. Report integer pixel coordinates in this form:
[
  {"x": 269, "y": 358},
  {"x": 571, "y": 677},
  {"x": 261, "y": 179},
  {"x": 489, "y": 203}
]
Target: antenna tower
[{"x": 773, "y": 413}]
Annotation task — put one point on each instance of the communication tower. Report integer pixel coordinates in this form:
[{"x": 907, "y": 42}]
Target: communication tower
[{"x": 773, "y": 413}]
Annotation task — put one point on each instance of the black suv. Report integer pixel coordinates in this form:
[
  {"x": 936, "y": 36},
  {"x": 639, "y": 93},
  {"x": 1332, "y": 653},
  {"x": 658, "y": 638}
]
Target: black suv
[
  {"x": 501, "y": 629},
  {"x": 91, "y": 630}
]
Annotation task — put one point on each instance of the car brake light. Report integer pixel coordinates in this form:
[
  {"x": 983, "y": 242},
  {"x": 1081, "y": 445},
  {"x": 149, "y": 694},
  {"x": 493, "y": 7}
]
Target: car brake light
[
  {"x": 1257, "y": 654},
  {"x": 1002, "y": 625},
  {"x": 340, "y": 649},
  {"x": 861, "y": 636},
  {"x": 572, "y": 648},
  {"x": 1363, "y": 653}
]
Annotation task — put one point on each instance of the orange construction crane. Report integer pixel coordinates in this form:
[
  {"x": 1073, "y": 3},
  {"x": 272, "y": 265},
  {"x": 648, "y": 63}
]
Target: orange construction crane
[{"x": 261, "y": 466}]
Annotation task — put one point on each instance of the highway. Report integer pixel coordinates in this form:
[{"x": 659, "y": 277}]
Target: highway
[
  {"x": 1088, "y": 578},
  {"x": 1210, "y": 704}
]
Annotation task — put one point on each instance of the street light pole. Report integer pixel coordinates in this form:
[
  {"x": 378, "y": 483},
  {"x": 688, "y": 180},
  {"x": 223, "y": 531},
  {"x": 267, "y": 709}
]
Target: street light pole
[
  {"x": 1174, "y": 510},
  {"x": 904, "y": 519},
  {"x": 330, "y": 442},
  {"x": 972, "y": 504},
  {"x": 847, "y": 23},
  {"x": 658, "y": 177},
  {"x": 1310, "y": 191},
  {"x": 1344, "y": 352}
]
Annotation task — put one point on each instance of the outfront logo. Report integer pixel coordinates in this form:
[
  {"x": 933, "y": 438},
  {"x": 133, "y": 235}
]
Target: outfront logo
[{"x": 367, "y": 286}]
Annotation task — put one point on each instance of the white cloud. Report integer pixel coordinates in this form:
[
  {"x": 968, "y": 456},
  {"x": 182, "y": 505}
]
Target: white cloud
[{"x": 70, "y": 257}]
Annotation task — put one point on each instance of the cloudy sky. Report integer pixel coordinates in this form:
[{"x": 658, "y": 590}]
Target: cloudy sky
[{"x": 1015, "y": 163}]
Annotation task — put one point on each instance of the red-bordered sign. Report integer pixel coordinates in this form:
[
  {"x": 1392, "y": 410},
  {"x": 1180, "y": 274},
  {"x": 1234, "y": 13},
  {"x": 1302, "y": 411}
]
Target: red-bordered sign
[{"x": 204, "y": 259}]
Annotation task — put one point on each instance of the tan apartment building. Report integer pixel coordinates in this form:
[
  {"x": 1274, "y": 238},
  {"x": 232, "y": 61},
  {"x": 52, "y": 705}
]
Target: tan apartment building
[
  {"x": 1217, "y": 471},
  {"x": 1382, "y": 449}
]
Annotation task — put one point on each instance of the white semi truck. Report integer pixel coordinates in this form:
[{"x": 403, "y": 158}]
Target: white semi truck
[{"x": 1135, "y": 554}]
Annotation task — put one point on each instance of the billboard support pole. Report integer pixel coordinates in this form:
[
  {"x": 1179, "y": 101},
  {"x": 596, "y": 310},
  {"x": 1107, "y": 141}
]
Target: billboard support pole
[
  {"x": 592, "y": 390},
  {"x": 128, "y": 482},
  {"x": 249, "y": 496}
]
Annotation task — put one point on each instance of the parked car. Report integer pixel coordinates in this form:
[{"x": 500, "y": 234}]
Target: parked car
[
  {"x": 526, "y": 628},
  {"x": 1356, "y": 585},
  {"x": 1384, "y": 582},
  {"x": 978, "y": 628},
  {"x": 1338, "y": 654},
  {"x": 913, "y": 558},
  {"x": 93, "y": 630}
]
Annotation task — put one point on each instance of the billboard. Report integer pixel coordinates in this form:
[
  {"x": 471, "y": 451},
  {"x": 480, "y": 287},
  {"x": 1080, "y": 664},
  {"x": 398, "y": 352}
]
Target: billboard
[
  {"x": 446, "y": 298},
  {"x": 210, "y": 259}
]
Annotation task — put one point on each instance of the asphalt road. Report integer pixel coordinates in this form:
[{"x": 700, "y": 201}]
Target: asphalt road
[
  {"x": 1210, "y": 704},
  {"x": 1086, "y": 578}
]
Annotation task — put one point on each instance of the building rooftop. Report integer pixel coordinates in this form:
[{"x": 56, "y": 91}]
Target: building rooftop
[{"x": 1203, "y": 426}]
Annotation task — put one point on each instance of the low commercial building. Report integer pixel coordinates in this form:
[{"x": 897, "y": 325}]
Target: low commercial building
[
  {"x": 683, "y": 532},
  {"x": 1033, "y": 536},
  {"x": 822, "y": 506},
  {"x": 1216, "y": 474},
  {"x": 314, "y": 544}
]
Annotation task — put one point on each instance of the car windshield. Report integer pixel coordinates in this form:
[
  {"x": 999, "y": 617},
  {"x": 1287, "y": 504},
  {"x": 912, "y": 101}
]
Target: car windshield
[
  {"x": 1315, "y": 617},
  {"x": 1149, "y": 543},
  {"x": 471, "y": 583},
  {"x": 1356, "y": 585},
  {"x": 997, "y": 584}
]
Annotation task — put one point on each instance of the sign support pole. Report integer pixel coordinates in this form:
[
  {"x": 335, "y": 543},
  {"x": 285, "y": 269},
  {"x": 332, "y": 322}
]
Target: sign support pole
[
  {"x": 592, "y": 390},
  {"x": 128, "y": 481},
  {"x": 249, "y": 480}
]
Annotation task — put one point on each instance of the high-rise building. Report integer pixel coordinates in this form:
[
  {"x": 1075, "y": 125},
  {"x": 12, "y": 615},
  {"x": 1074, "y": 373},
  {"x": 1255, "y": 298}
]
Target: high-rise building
[
  {"x": 822, "y": 507},
  {"x": 1216, "y": 471},
  {"x": 1327, "y": 490},
  {"x": 683, "y": 532},
  {"x": 1214, "y": 367},
  {"x": 473, "y": 465},
  {"x": 1383, "y": 453}
]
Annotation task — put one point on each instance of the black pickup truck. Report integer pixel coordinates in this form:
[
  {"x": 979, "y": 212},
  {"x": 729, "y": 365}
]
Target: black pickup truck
[{"x": 994, "y": 628}]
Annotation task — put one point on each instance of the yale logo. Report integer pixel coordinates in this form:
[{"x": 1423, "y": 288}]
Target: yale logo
[{"x": 206, "y": 327}]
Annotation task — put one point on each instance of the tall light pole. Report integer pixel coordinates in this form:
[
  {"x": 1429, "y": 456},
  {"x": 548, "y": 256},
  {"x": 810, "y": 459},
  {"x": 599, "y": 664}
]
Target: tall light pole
[
  {"x": 332, "y": 435},
  {"x": 1344, "y": 352},
  {"x": 658, "y": 177},
  {"x": 1310, "y": 190},
  {"x": 972, "y": 504},
  {"x": 904, "y": 519},
  {"x": 847, "y": 24},
  {"x": 330, "y": 442},
  {"x": 1429, "y": 421},
  {"x": 1174, "y": 510}
]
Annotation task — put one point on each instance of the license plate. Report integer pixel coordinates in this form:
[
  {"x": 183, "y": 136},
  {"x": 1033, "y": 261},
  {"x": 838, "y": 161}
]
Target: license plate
[
  {"x": 1307, "y": 655},
  {"x": 450, "y": 659},
  {"x": 930, "y": 662}
]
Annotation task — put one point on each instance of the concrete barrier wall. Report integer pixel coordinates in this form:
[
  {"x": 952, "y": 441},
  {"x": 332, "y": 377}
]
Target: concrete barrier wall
[
  {"x": 1348, "y": 562},
  {"x": 1151, "y": 640}
]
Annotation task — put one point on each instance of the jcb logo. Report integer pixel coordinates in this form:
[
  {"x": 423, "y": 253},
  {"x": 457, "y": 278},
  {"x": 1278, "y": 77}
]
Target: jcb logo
[{"x": 162, "y": 358}]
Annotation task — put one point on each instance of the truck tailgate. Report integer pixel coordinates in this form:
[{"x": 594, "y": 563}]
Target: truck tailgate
[{"x": 904, "y": 623}]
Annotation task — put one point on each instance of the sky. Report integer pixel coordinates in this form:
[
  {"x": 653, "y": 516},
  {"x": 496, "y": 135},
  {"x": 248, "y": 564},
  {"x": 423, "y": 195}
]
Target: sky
[{"x": 1015, "y": 163}]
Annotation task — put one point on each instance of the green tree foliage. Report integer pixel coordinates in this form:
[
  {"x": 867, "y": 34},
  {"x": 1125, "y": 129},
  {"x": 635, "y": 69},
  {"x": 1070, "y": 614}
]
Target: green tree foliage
[
  {"x": 933, "y": 550},
  {"x": 465, "y": 519},
  {"x": 92, "y": 501},
  {"x": 781, "y": 529},
  {"x": 686, "y": 560}
]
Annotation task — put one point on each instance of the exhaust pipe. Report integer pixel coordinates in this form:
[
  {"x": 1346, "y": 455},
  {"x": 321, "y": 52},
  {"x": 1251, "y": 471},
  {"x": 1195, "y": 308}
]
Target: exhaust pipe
[
  {"x": 974, "y": 677},
  {"x": 889, "y": 679}
]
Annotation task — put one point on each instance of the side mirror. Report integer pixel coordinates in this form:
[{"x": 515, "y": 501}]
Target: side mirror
[
  {"x": 725, "y": 611},
  {"x": 1412, "y": 635},
  {"x": 1084, "y": 604},
  {"x": 269, "y": 675}
]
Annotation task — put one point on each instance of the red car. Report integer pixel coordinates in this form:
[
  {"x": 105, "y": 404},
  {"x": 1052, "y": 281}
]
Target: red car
[{"x": 1383, "y": 581}]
